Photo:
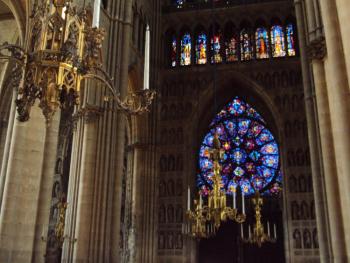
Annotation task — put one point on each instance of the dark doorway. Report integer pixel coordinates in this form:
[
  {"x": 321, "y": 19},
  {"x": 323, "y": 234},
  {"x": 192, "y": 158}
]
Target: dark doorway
[{"x": 227, "y": 247}]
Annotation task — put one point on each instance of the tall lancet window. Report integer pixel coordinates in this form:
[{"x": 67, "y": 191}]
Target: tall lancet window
[
  {"x": 186, "y": 49},
  {"x": 231, "y": 43},
  {"x": 278, "y": 41},
  {"x": 246, "y": 45},
  {"x": 216, "y": 45},
  {"x": 201, "y": 48},
  {"x": 262, "y": 43},
  {"x": 179, "y": 3},
  {"x": 290, "y": 40},
  {"x": 173, "y": 51},
  {"x": 251, "y": 153}
]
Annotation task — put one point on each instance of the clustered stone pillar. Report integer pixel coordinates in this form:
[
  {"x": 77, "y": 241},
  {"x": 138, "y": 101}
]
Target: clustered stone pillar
[
  {"x": 339, "y": 108},
  {"x": 313, "y": 134},
  {"x": 94, "y": 195},
  {"x": 332, "y": 96},
  {"x": 28, "y": 185}
]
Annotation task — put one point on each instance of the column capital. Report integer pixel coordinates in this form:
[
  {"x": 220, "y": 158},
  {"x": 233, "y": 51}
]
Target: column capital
[{"x": 317, "y": 48}]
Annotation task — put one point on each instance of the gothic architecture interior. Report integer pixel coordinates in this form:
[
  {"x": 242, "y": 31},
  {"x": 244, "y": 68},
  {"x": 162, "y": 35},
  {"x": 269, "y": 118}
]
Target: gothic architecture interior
[{"x": 163, "y": 131}]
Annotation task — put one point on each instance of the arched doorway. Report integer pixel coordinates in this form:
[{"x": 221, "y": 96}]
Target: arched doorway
[{"x": 250, "y": 165}]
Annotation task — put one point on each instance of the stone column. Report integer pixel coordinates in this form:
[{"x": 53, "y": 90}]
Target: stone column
[
  {"x": 313, "y": 134},
  {"x": 329, "y": 166},
  {"x": 85, "y": 193},
  {"x": 125, "y": 25},
  {"x": 6, "y": 151},
  {"x": 19, "y": 207},
  {"x": 339, "y": 106},
  {"x": 72, "y": 196},
  {"x": 44, "y": 202},
  {"x": 343, "y": 9}
]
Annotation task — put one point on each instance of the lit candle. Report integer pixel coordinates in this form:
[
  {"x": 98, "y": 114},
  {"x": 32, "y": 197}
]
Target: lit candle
[
  {"x": 243, "y": 205},
  {"x": 242, "y": 231},
  {"x": 147, "y": 59},
  {"x": 274, "y": 230},
  {"x": 268, "y": 228},
  {"x": 188, "y": 199},
  {"x": 96, "y": 15}
]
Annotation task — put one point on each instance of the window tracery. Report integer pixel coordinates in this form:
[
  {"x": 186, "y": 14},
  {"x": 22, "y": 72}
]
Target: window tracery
[{"x": 251, "y": 158}]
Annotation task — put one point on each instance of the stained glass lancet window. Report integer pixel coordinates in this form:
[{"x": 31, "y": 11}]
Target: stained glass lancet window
[
  {"x": 231, "y": 49},
  {"x": 178, "y": 3},
  {"x": 251, "y": 159},
  {"x": 262, "y": 43},
  {"x": 290, "y": 40},
  {"x": 173, "y": 51},
  {"x": 246, "y": 45},
  {"x": 201, "y": 49},
  {"x": 277, "y": 41},
  {"x": 215, "y": 44},
  {"x": 185, "y": 50}
]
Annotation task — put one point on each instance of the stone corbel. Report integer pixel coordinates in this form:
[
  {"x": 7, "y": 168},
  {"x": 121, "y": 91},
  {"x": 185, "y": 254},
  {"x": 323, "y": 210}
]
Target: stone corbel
[{"x": 317, "y": 49}]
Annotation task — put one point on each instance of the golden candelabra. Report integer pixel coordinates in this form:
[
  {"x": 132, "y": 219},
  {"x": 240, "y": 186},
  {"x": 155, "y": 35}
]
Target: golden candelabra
[
  {"x": 205, "y": 220},
  {"x": 61, "y": 50},
  {"x": 259, "y": 236}
]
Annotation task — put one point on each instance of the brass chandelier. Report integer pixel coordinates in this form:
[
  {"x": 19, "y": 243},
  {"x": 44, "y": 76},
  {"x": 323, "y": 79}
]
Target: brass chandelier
[
  {"x": 205, "y": 219},
  {"x": 258, "y": 237},
  {"x": 61, "y": 50}
]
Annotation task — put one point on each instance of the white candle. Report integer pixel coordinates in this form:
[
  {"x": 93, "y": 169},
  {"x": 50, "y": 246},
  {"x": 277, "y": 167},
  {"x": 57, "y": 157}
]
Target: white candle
[
  {"x": 274, "y": 230},
  {"x": 96, "y": 15},
  {"x": 268, "y": 228},
  {"x": 234, "y": 199},
  {"x": 188, "y": 199},
  {"x": 200, "y": 201},
  {"x": 147, "y": 59},
  {"x": 243, "y": 205},
  {"x": 242, "y": 231}
]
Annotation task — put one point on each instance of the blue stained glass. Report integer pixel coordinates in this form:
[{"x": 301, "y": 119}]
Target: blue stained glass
[
  {"x": 216, "y": 49},
  {"x": 236, "y": 107},
  {"x": 270, "y": 148},
  {"x": 250, "y": 167},
  {"x": 186, "y": 50},
  {"x": 277, "y": 41},
  {"x": 173, "y": 51},
  {"x": 205, "y": 164},
  {"x": 270, "y": 161},
  {"x": 251, "y": 154},
  {"x": 239, "y": 156},
  {"x": 254, "y": 156},
  {"x": 204, "y": 151},
  {"x": 264, "y": 136},
  {"x": 258, "y": 182},
  {"x": 290, "y": 40},
  {"x": 250, "y": 144},
  {"x": 179, "y": 3},
  {"x": 201, "y": 49},
  {"x": 265, "y": 172},
  {"x": 246, "y": 46},
  {"x": 238, "y": 171},
  {"x": 255, "y": 129},
  {"x": 262, "y": 43},
  {"x": 231, "y": 127},
  {"x": 208, "y": 140},
  {"x": 243, "y": 126},
  {"x": 237, "y": 140}
]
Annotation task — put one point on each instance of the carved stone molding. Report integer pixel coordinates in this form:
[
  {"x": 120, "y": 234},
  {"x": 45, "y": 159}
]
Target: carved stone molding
[
  {"x": 90, "y": 114},
  {"x": 317, "y": 48}
]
